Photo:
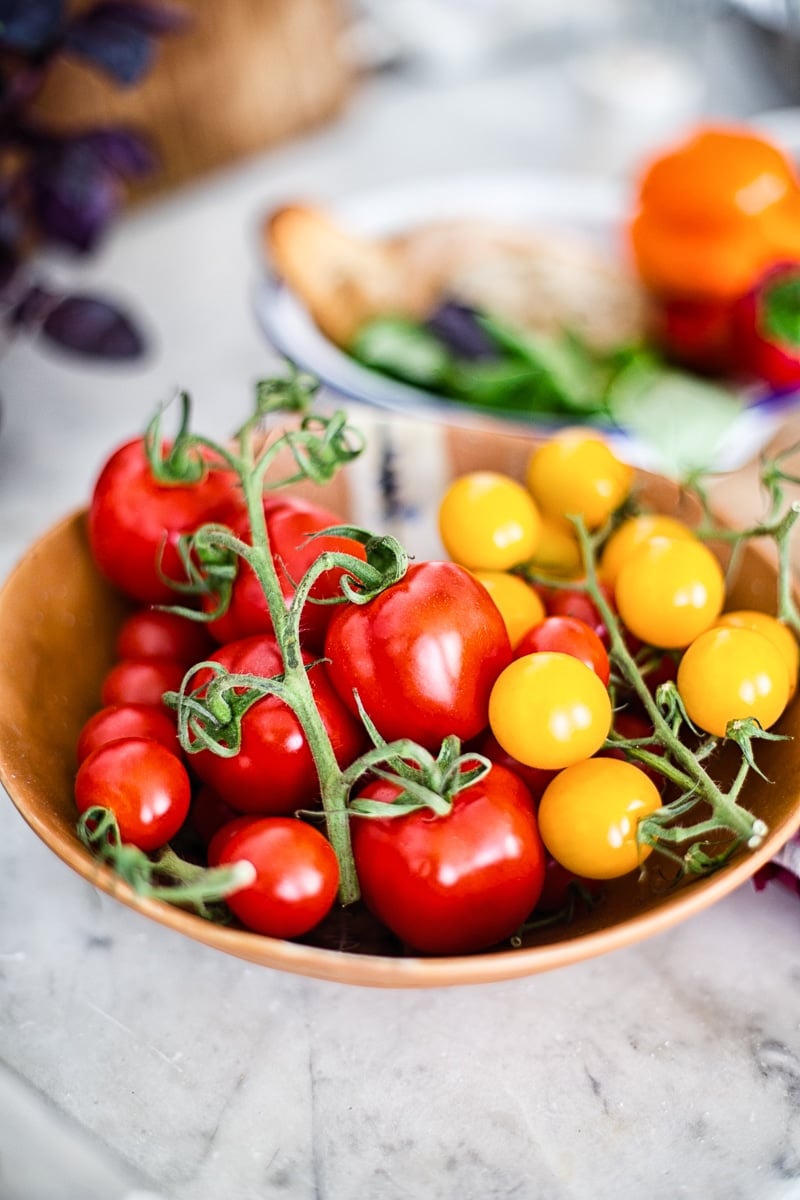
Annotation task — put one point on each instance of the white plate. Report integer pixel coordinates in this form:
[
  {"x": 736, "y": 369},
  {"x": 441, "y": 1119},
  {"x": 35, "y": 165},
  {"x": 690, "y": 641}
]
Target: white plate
[{"x": 590, "y": 207}]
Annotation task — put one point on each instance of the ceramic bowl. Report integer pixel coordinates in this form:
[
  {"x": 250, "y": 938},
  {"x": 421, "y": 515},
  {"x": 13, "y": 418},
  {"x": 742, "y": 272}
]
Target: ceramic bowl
[{"x": 58, "y": 620}]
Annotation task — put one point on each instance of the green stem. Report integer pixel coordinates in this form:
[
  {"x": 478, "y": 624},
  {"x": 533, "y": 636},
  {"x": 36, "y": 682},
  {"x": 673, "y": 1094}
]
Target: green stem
[
  {"x": 296, "y": 688},
  {"x": 725, "y": 809}
]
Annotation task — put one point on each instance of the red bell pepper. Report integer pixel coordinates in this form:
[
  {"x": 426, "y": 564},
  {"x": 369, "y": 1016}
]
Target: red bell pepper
[{"x": 766, "y": 328}]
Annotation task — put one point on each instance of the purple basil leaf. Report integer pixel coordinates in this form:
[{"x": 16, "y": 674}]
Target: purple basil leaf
[
  {"x": 9, "y": 266},
  {"x": 154, "y": 18},
  {"x": 119, "y": 38},
  {"x": 32, "y": 308},
  {"x": 456, "y": 325},
  {"x": 30, "y": 26},
  {"x": 94, "y": 328},
  {"x": 74, "y": 195},
  {"x": 121, "y": 150}
]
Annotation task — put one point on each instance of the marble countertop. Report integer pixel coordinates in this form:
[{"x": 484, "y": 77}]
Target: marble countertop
[{"x": 136, "y": 1064}]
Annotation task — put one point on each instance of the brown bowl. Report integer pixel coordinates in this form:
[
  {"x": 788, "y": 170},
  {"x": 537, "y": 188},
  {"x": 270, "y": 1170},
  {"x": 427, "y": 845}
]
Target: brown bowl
[{"x": 58, "y": 620}]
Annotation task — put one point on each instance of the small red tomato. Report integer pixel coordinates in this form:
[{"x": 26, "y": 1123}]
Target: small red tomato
[
  {"x": 274, "y": 773},
  {"x": 572, "y": 602},
  {"x": 563, "y": 889},
  {"x": 457, "y": 883},
  {"x": 141, "y": 680},
  {"x": 152, "y": 633},
  {"x": 144, "y": 784},
  {"x": 128, "y": 720},
  {"x": 135, "y": 521},
  {"x": 297, "y": 874},
  {"x": 767, "y": 328},
  {"x": 569, "y": 635},
  {"x": 423, "y": 656},
  {"x": 290, "y": 523}
]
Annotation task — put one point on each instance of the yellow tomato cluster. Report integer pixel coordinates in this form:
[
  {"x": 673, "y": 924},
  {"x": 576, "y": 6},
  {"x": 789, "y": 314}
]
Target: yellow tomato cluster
[{"x": 549, "y": 710}]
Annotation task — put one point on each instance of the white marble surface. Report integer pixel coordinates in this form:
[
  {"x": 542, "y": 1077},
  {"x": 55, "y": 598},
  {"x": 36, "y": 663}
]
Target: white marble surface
[{"x": 136, "y": 1063}]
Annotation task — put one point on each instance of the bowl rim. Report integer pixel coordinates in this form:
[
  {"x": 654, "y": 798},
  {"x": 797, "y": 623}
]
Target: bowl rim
[{"x": 377, "y": 970}]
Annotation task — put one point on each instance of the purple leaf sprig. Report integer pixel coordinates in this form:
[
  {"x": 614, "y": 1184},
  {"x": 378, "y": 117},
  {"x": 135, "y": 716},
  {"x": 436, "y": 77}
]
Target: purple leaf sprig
[{"x": 65, "y": 189}]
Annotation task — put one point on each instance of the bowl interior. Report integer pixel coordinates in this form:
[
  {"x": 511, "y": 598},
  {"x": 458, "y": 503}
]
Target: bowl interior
[{"x": 58, "y": 621}]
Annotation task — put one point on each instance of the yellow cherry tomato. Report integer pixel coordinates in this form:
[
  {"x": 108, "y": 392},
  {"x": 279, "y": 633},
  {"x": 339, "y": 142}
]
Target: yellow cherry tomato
[
  {"x": 488, "y": 521},
  {"x": 777, "y": 631},
  {"x": 633, "y": 533},
  {"x": 728, "y": 674},
  {"x": 589, "y": 814},
  {"x": 670, "y": 591},
  {"x": 549, "y": 710},
  {"x": 558, "y": 551},
  {"x": 520, "y": 606},
  {"x": 577, "y": 474}
]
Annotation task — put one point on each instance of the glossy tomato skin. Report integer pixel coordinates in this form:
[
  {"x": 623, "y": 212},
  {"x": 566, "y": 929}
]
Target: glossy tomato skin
[
  {"x": 143, "y": 783},
  {"x": 423, "y": 655},
  {"x": 131, "y": 516},
  {"x": 568, "y": 635},
  {"x": 128, "y": 720},
  {"x": 573, "y": 602},
  {"x": 589, "y": 816},
  {"x": 153, "y": 633},
  {"x": 274, "y": 772},
  {"x": 297, "y": 874},
  {"x": 453, "y": 884},
  {"x": 290, "y": 523},
  {"x": 141, "y": 680},
  {"x": 769, "y": 350}
]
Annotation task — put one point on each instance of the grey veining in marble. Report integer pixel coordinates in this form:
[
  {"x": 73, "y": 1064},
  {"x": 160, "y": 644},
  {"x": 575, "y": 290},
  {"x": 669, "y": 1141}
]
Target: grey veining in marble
[{"x": 137, "y": 1064}]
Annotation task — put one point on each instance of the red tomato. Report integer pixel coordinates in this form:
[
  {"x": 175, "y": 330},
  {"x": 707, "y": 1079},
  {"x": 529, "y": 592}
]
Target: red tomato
[
  {"x": 297, "y": 875},
  {"x": 569, "y": 635},
  {"x": 274, "y": 772},
  {"x": 423, "y": 655},
  {"x": 290, "y": 521},
  {"x": 151, "y": 633},
  {"x": 535, "y": 779},
  {"x": 128, "y": 720},
  {"x": 141, "y": 680},
  {"x": 135, "y": 522},
  {"x": 453, "y": 884},
  {"x": 144, "y": 784},
  {"x": 572, "y": 602}
]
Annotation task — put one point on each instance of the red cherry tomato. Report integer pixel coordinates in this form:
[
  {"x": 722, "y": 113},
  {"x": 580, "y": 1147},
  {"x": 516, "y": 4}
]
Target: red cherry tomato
[
  {"x": 141, "y": 680},
  {"x": 423, "y": 655},
  {"x": 274, "y": 772},
  {"x": 128, "y": 720},
  {"x": 135, "y": 522},
  {"x": 152, "y": 633},
  {"x": 297, "y": 874},
  {"x": 458, "y": 883},
  {"x": 290, "y": 523},
  {"x": 144, "y": 784},
  {"x": 572, "y": 602},
  {"x": 569, "y": 635}
]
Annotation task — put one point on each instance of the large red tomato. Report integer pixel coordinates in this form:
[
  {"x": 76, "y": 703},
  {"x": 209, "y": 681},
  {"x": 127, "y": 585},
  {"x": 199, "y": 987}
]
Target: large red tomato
[
  {"x": 423, "y": 655},
  {"x": 290, "y": 522},
  {"x": 274, "y": 772},
  {"x": 458, "y": 883},
  {"x": 135, "y": 521}
]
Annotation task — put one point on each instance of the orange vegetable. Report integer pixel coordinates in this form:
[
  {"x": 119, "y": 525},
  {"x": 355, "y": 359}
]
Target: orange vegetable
[{"x": 713, "y": 213}]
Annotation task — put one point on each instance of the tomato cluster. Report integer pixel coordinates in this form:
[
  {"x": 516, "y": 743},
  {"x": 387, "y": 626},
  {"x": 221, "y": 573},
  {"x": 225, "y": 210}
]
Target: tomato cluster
[{"x": 451, "y": 855}]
